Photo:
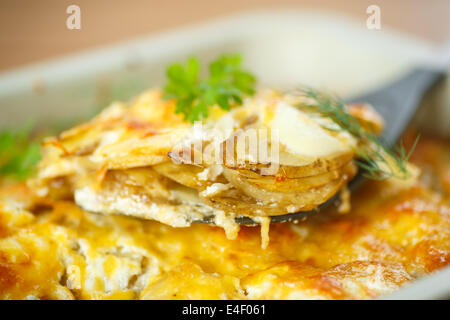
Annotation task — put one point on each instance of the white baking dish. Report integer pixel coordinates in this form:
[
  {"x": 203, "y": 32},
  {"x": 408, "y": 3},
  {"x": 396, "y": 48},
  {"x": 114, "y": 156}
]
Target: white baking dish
[{"x": 284, "y": 48}]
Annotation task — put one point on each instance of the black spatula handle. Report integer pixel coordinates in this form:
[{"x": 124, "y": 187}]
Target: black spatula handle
[{"x": 398, "y": 101}]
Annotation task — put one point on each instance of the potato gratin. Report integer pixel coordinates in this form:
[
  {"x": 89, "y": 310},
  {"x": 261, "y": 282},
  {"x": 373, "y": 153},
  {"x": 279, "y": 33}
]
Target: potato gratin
[{"x": 131, "y": 160}]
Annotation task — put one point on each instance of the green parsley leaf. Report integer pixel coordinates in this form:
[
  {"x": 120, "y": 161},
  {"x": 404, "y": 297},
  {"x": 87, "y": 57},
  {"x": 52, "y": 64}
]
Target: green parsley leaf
[
  {"x": 19, "y": 153},
  {"x": 226, "y": 86}
]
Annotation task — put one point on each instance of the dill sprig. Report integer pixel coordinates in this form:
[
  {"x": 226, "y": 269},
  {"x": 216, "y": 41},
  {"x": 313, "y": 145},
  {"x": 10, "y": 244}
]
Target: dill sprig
[
  {"x": 19, "y": 152},
  {"x": 225, "y": 86},
  {"x": 376, "y": 158}
]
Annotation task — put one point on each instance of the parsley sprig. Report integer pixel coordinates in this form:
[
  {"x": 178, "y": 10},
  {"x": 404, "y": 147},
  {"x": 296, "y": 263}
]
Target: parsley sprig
[
  {"x": 226, "y": 86},
  {"x": 19, "y": 153},
  {"x": 376, "y": 158}
]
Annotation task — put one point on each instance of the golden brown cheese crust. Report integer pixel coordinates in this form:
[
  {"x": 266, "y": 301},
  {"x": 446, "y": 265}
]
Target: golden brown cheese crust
[{"x": 393, "y": 234}]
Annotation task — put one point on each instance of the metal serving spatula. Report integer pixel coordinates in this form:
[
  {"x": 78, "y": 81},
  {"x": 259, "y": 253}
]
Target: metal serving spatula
[{"x": 397, "y": 103}]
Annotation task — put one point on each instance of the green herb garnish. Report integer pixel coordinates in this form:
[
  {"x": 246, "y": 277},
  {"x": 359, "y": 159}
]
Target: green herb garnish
[
  {"x": 378, "y": 160},
  {"x": 19, "y": 153},
  {"x": 226, "y": 86}
]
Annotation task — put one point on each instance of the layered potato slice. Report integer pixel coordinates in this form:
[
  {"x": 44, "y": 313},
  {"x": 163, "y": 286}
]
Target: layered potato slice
[{"x": 267, "y": 157}]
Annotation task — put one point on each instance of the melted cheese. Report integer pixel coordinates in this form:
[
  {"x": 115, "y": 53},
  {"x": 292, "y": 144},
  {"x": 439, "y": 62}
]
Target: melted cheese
[
  {"x": 265, "y": 227},
  {"x": 304, "y": 136}
]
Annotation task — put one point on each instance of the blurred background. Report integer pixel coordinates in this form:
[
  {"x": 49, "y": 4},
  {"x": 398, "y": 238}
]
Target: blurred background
[
  {"x": 51, "y": 74},
  {"x": 32, "y": 30}
]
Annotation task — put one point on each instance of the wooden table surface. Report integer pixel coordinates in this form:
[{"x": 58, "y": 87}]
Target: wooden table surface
[{"x": 33, "y": 30}]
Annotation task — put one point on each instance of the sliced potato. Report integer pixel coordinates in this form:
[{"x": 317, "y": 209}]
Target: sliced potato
[
  {"x": 282, "y": 184},
  {"x": 150, "y": 182},
  {"x": 319, "y": 166},
  {"x": 248, "y": 206},
  {"x": 185, "y": 174},
  {"x": 234, "y": 201},
  {"x": 297, "y": 198},
  {"x": 247, "y": 199}
]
